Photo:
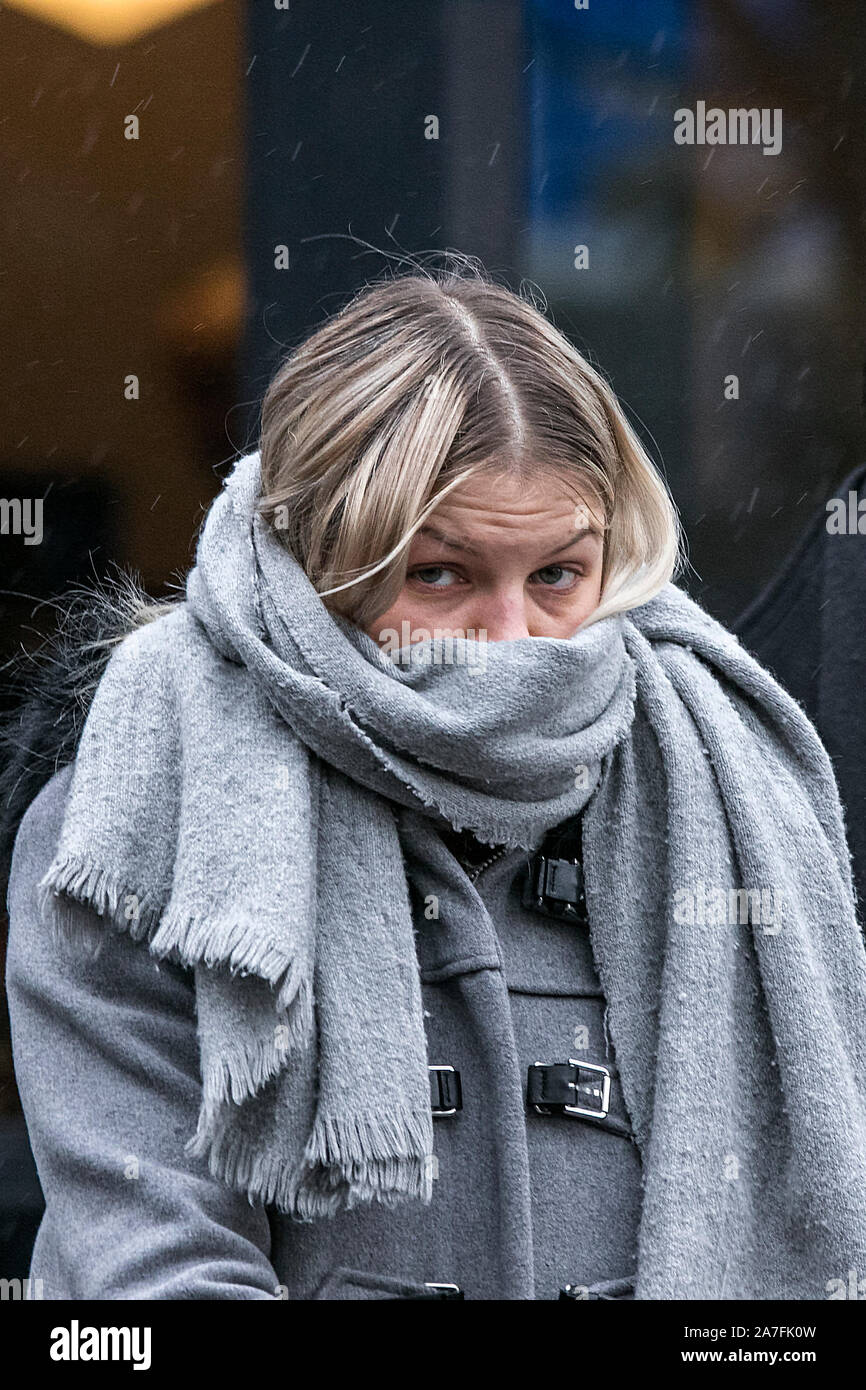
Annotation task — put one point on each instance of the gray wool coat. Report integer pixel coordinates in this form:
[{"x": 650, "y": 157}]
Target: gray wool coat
[{"x": 106, "y": 1058}]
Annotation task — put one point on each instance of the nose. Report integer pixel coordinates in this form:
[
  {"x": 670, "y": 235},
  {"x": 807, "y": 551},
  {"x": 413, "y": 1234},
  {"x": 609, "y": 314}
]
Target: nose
[{"x": 502, "y": 613}]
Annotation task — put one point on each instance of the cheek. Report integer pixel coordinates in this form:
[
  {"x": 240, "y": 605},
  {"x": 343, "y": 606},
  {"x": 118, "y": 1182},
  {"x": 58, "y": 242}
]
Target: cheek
[
  {"x": 565, "y": 617},
  {"x": 410, "y": 607},
  {"x": 586, "y": 592}
]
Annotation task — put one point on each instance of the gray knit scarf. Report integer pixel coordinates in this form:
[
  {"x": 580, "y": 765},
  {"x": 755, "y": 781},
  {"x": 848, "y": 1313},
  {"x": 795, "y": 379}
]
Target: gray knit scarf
[{"x": 236, "y": 803}]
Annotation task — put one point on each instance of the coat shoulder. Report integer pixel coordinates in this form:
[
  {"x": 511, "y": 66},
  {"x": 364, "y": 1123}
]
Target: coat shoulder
[
  {"x": 36, "y": 839},
  {"x": 49, "y": 690}
]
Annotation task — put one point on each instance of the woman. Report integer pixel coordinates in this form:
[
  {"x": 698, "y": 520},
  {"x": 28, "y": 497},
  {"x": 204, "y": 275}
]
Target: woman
[{"x": 440, "y": 903}]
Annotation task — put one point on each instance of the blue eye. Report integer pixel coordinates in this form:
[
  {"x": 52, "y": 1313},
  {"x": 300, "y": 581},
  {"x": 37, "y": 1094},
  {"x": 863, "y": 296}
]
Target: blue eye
[
  {"x": 432, "y": 569},
  {"x": 559, "y": 573}
]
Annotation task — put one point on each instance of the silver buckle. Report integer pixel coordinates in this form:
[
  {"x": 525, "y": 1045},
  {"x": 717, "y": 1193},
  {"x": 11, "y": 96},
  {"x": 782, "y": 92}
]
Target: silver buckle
[
  {"x": 601, "y": 1113},
  {"x": 603, "y": 1091}
]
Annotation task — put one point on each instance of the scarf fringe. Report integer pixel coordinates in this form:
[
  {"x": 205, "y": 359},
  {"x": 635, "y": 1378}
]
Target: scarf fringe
[
  {"x": 237, "y": 1076},
  {"x": 338, "y": 1141},
  {"x": 235, "y": 945},
  {"x": 181, "y": 937},
  {"x": 87, "y": 885},
  {"x": 309, "y": 1190}
]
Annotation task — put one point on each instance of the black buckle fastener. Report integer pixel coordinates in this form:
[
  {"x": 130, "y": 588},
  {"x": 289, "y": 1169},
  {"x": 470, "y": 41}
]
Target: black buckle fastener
[
  {"x": 555, "y": 887},
  {"x": 557, "y": 1088},
  {"x": 446, "y": 1093}
]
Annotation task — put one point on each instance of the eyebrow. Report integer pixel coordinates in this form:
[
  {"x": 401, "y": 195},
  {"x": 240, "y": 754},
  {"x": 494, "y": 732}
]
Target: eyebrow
[{"x": 463, "y": 543}]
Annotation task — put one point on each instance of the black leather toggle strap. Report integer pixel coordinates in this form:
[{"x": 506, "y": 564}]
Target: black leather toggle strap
[
  {"x": 554, "y": 883},
  {"x": 579, "y": 1090},
  {"x": 446, "y": 1092},
  {"x": 555, "y": 887},
  {"x": 562, "y": 1087}
]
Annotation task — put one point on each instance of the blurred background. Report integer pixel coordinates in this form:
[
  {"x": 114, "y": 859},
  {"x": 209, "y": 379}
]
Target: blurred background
[{"x": 190, "y": 186}]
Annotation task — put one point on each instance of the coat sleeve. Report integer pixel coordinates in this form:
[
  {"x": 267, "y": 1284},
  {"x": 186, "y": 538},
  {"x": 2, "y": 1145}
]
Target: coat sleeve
[{"x": 106, "y": 1059}]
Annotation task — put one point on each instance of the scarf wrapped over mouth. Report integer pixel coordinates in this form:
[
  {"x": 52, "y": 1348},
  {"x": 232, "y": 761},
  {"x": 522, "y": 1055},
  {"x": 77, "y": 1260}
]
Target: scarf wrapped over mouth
[{"x": 236, "y": 802}]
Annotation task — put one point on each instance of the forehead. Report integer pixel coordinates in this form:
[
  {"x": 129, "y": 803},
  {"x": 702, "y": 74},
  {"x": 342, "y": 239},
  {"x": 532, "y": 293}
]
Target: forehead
[{"x": 536, "y": 501}]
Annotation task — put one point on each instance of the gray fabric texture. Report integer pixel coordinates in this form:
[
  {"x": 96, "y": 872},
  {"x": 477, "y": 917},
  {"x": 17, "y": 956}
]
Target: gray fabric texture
[
  {"x": 233, "y": 802},
  {"x": 107, "y": 1063},
  {"x": 699, "y": 776}
]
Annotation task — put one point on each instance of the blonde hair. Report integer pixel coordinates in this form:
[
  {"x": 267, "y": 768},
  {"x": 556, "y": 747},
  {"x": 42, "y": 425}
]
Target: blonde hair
[{"x": 423, "y": 380}]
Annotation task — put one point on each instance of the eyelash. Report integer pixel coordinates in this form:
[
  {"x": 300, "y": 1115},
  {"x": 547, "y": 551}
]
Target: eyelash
[{"x": 575, "y": 570}]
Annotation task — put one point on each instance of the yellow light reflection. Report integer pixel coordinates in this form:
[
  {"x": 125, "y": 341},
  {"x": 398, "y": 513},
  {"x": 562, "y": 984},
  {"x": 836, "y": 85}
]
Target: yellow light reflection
[{"x": 107, "y": 21}]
